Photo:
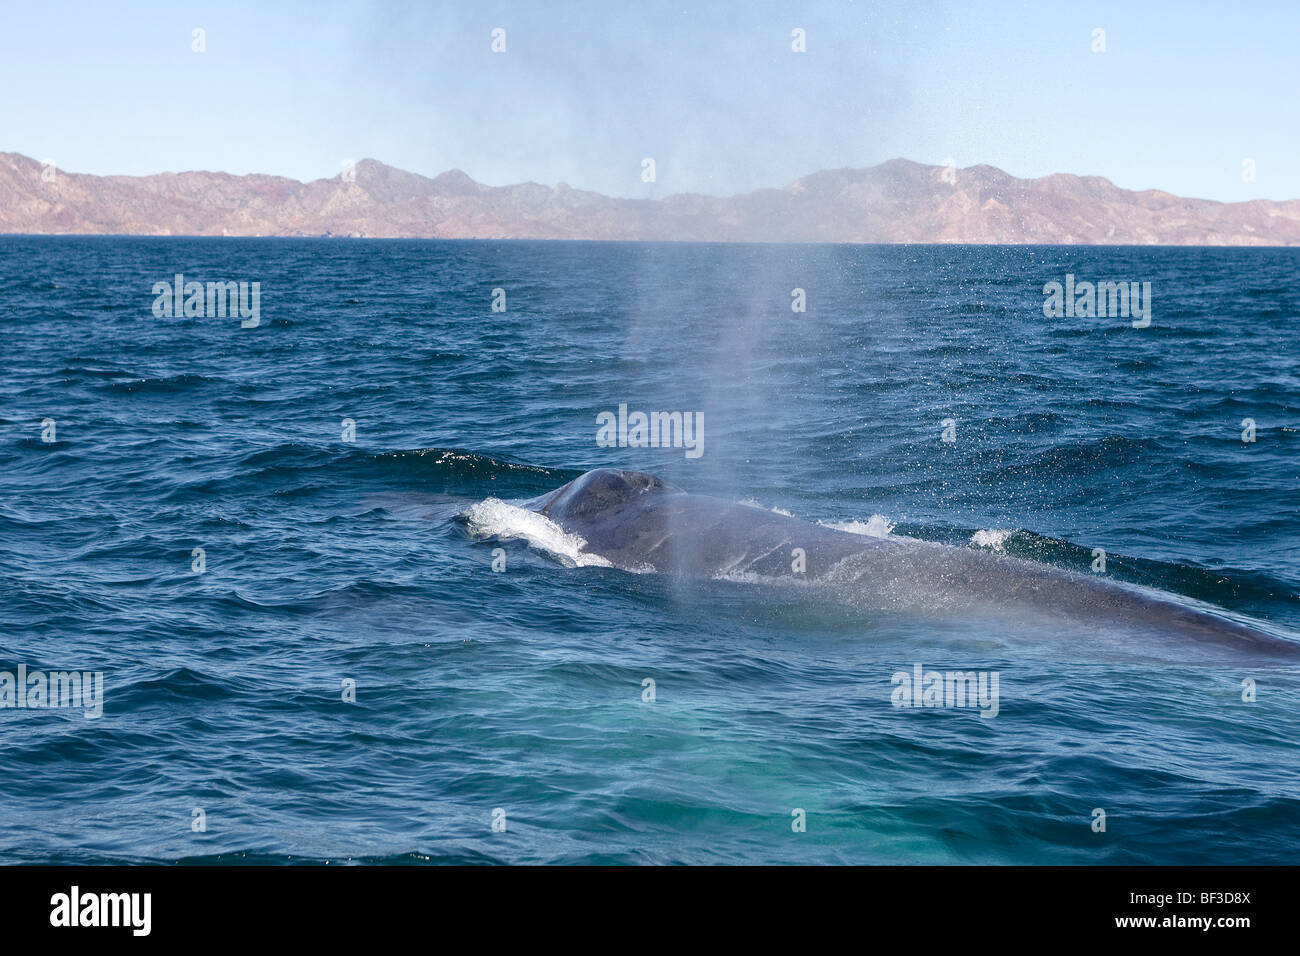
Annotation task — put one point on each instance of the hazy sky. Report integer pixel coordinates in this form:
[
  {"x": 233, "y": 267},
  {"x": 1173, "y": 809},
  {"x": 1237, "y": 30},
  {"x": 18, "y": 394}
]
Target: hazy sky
[{"x": 1184, "y": 92}]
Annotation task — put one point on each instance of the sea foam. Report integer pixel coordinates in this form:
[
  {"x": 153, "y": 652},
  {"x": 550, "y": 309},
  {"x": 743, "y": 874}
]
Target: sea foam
[{"x": 493, "y": 517}]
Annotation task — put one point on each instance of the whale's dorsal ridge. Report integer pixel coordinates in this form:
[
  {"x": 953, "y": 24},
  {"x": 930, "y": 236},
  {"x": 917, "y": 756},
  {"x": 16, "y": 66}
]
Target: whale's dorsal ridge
[{"x": 604, "y": 490}]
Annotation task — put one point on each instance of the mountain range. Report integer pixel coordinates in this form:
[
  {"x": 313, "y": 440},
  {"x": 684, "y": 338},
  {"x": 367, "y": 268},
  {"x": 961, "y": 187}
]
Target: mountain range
[{"x": 898, "y": 201}]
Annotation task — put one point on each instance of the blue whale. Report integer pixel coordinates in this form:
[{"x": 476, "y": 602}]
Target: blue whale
[{"x": 639, "y": 522}]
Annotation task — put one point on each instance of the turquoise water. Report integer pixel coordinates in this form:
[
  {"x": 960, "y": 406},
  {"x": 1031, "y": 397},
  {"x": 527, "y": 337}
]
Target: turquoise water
[{"x": 522, "y": 691}]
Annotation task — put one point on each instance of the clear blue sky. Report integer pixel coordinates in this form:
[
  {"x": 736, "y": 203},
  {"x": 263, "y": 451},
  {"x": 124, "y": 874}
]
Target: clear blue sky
[{"x": 1184, "y": 92}]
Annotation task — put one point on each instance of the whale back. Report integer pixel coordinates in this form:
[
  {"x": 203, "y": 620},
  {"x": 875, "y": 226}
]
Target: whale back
[
  {"x": 601, "y": 494},
  {"x": 639, "y": 522}
]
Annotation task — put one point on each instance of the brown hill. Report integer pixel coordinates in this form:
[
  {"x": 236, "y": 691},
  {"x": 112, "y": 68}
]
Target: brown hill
[{"x": 897, "y": 201}]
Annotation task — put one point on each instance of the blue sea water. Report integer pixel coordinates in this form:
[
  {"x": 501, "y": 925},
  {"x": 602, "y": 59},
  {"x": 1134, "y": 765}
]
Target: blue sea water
[{"x": 517, "y": 696}]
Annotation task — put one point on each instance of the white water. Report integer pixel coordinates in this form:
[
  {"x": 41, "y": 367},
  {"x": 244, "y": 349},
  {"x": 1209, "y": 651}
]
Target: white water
[
  {"x": 877, "y": 526},
  {"x": 493, "y": 517},
  {"x": 994, "y": 540}
]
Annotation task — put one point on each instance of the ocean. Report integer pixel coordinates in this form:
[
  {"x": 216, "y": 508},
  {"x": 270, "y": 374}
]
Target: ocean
[{"x": 288, "y": 542}]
